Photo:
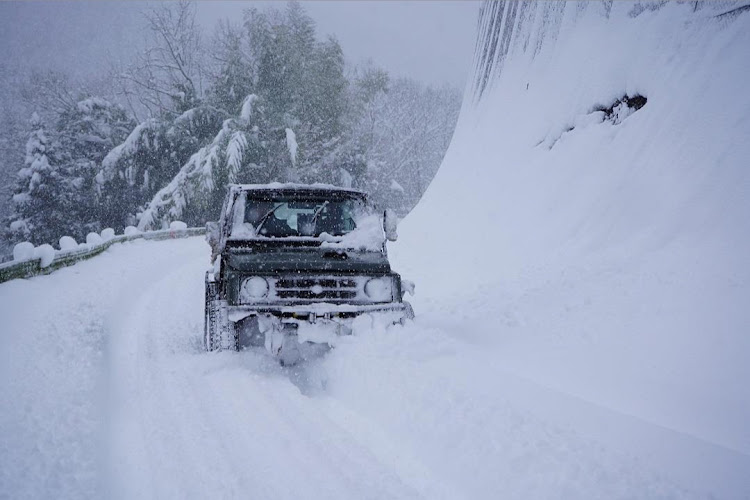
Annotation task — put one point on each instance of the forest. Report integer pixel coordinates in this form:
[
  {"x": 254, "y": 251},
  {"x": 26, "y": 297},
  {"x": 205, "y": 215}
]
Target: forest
[{"x": 157, "y": 138}]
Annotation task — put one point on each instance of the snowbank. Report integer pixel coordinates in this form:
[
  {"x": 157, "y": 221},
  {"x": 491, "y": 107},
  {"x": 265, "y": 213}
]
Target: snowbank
[
  {"x": 45, "y": 253},
  {"x": 71, "y": 252},
  {"x": 67, "y": 243},
  {"x": 602, "y": 258},
  {"x": 23, "y": 251},
  {"x": 108, "y": 234},
  {"x": 93, "y": 239}
]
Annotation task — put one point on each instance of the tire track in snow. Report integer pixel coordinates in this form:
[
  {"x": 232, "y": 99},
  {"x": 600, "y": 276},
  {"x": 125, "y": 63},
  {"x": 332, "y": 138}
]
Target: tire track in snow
[
  {"x": 52, "y": 375},
  {"x": 404, "y": 413},
  {"x": 189, "y": 424}
]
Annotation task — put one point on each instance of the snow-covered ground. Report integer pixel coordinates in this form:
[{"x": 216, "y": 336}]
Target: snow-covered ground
[
  {"x": 582, "y": 322},
  {"x": 606, "y": 261},
  {"x": 106, "y": 391}
]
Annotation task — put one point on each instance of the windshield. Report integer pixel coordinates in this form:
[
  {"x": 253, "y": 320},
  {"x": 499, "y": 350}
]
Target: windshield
[{"x": 282, "y": 217}]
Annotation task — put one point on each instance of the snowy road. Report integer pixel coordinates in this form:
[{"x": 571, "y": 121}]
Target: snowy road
[
  {"x": 106, "y": 391},
  {"x": 186, "y": 423}
]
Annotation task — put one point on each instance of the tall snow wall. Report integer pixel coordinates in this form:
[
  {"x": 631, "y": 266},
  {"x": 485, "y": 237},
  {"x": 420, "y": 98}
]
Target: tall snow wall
[{"x": 617, "y": 233}]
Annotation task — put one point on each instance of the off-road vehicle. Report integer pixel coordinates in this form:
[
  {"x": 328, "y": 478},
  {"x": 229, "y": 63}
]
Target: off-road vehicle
[{"x": 295, "y": 266}]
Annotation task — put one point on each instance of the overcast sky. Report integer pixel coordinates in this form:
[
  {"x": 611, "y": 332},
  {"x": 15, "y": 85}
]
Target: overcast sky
[{"x": 429, "y": 41}]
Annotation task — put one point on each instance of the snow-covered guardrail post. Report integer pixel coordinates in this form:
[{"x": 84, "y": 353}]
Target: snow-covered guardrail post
[{"x": 31, "y": 261}]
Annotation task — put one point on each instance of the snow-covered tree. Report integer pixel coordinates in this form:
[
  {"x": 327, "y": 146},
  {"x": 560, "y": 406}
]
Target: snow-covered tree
[
  {"x": 238, "y": 153},
  {"x": 191, "y": 128},
  {"x": 167, "y": 77},
  {"x": 305, "y": 122},
  {"x": 232, "y": 70},
  {"x": 39, "y": 202},
  {"x": 300, "y": 80},
  {"x": 85, "y": 135},
  {"x": 149, "y": 158},
  {"x": 14, "y": 133},
  {"x": 55, "y": 192},
  {"x": 403, "y": 128}
]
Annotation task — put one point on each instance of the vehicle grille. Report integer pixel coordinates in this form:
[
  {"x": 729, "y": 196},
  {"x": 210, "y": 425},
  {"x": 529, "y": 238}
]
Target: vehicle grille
[{"x": 329, "y": 289}]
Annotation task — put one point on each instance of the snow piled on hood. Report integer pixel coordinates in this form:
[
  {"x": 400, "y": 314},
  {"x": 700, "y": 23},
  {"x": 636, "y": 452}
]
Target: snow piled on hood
[{"x": 367, "y": 236}]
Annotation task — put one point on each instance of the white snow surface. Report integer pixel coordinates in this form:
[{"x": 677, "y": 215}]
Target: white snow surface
[
  {"x": 68, "y": 243},
  {"x": 581, "y": 305},
  {"x": 45, "y": 253},
  {"x": 294, "y": 185},
  {"x": 106, "y": 392},
  {"x": 107, "y": 234},
  {"x": 93, "y": 239},
  {"x": 23, "y": 251},
  {"x": 248, "y": 107},
  {"x": 368, "y": 235},
  {"x": 611, "y": 263}
]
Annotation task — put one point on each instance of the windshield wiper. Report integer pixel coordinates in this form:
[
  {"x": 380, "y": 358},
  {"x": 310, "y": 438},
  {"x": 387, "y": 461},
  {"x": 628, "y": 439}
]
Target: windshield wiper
[
  {"x": 317, "y": 212},
  {"x": 265, "y": 218}
]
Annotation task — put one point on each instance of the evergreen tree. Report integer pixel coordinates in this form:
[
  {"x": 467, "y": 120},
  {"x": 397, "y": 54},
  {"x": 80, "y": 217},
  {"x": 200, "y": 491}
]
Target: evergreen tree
[
  {"x": 233, "y": 77},
  {"x": 39, "y": 207},
  {"x": 302, "y": 84},
  {"x": 325, "y": 92},
  {"x": 148, "y": 159},
  {"x": 14, "y": 133},
  {"x": 238, "y": 153},
  {"x": 278, "y": 106},
  {"x": 403, "y": 129},
  {"x": 85, "y": 134},
  {"x": 307, "y": 123}
]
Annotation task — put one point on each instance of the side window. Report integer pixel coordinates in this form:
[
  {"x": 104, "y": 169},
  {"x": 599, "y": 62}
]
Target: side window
[
  {"x": 348, "y": 215},
  {"x": 357, "y": 209},
  {"x": 238, "y": 212},
  {"x": 227, "y": 212}
]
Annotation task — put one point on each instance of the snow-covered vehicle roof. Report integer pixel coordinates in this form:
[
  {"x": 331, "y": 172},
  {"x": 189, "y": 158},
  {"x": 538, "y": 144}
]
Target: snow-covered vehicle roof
[{"x": 296, "y": 187}]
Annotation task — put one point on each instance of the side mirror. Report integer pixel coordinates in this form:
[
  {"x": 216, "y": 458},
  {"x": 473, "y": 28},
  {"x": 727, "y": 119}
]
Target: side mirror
[
  {"x": 390, "y": 222},
  {"x": 213, "y": 236}
]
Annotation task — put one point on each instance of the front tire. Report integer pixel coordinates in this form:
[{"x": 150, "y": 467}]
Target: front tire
[
  {"x": 218, "y": 332},
  {"x": 408, "y": 313}
]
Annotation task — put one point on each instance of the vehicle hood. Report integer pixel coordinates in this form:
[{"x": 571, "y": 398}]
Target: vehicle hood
[{"x": 275, "y": 260}]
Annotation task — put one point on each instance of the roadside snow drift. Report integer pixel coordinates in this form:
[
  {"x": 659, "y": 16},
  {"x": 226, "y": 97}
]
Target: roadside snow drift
[{"x": 603, "y": 255}]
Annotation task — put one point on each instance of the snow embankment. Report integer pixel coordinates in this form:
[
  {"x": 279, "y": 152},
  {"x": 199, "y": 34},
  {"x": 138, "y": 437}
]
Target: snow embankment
[{"x": 600, "y": 249}]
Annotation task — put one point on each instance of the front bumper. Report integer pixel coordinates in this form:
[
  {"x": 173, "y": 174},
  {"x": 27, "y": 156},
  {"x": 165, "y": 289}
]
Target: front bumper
[
  {"x": 292, "y": 333},
  {"x": 313, "y": 313}
]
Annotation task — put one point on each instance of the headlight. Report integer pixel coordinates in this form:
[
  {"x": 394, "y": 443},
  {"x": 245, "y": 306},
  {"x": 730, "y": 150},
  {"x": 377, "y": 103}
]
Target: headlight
[
  {"x": 253, "y": 289},
  {"x": 380, "y": 289}
]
